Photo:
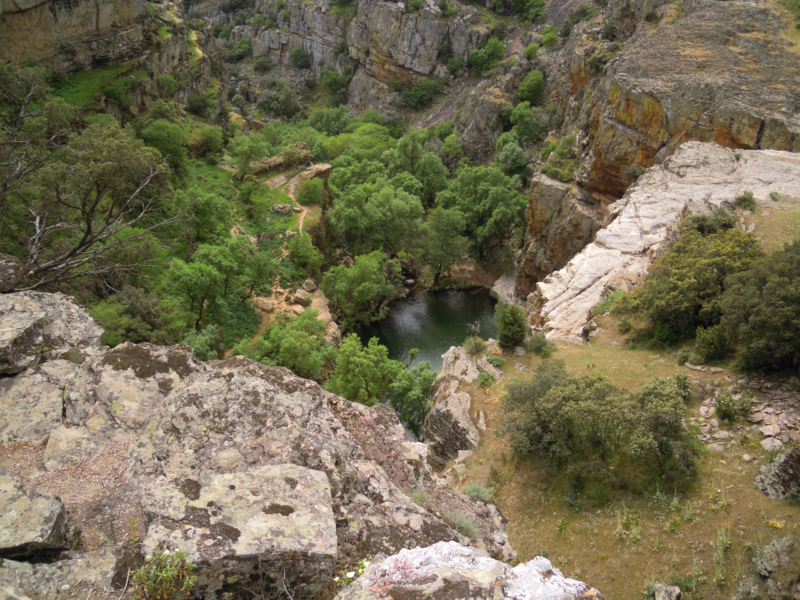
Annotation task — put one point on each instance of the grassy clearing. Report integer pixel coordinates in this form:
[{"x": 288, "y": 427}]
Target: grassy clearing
[
  {"x": 313, "y": 215},
  {"x": 80, "y": 88},
  {"x": 619, "y": 543},
  {"x": 776, "y": 224},
  {"x": 164, "y": 32}
]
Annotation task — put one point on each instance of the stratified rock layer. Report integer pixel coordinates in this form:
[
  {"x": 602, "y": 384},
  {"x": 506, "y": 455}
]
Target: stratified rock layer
[
  {"x": 697, "y": 178},
  {"x": 447, "y": 570}
]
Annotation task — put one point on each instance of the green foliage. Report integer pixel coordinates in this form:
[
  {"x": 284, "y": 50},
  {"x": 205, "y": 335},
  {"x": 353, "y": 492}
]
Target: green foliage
[
  {"x": 531, "y": 10},
  {"x": 262, "y": 64},
  {"x": 442, "y": 242},
  {"x": 582, "y": 12},
  {"x": 166, "y": 85},
  {"x": 719, "y": 220},
  {"x": 299, "y": 58},
  {"x": 462, "y": 524},
  {"x": 745, "y": 200},
  {"x": 549, "y": 35},
  {"x": 538, "y": 344},
  {"x": 239, "y": 51},
  {"x": 297, "y": 343},
  {"x": 474, "y": 345},
  {"x": 683, "y": 288},
  {"x": 531, "y": 51},
  {"x": 454, "y": 65},
  {"x": 532, "y": 88},
  {"x": 334, "y": 82},
  {"x": 600, "y": 58},
  {"x": 411, "y": 395},
  {"x": 304, "y": 255},
  {"x": 512, "y": 326},
  {"x": 280, "y": 99},
  {"x": 357, "y": 293},
  {"x": 246, "y": 149},
  {"x": 729, "y": 408},
  {"x": 119, "y": 91},
  {"x": 164, "y": 575},
  {"x": 477, "y": 492},
  {"x": 592, "y": 425},
  {"x": 363, "y": 373},
  {"x": 443, "y": 130},
  {"x": 606, "y": 303},
  {"x": 530, "y": 123},
  {"x": 168, "y": 139},
  {"x": 512, "y": 159},
  {"x": 761, "y": 308},
  {"x": 199, "y": 283},
  {"x": 485, "y": 380},
  {"x": 208, "y": 344},
  {"x": 448, "y": 10},
  {"x": 487, "y": 56},
  {"x": 200, "y": 104},
  {"x": 712, "y": 344},
  {"x": 413, "y": 5},
  {"x": 310, "y": 192},
  {"x": 422, "y": 94},
  {"x": 210, "y": 141}
]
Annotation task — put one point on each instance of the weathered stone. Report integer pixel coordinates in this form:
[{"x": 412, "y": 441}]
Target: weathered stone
[
  {"x": 504, "y": 289},
  {"x": 780, "y": 564},
  {"x": 448, "y": 570},
  {"x": 696, "y": 178},
  {"x": 487, "y": 367},
  {"x": 35, "y": 326},
  {"x": 264, "y": 305},
  {"x": 448, "y": 427},
  {"x": 770, "y": 444},
  {"x": 457, "y": 363},
  {"x": 246, "y": 525},
  {"x": 282, "y": 209},
  {"x": 12, "y": 273},
  {"x": 309, "y": 286},
  {"x": 31, "y": 523},
  {"x": 781, "y": 478},
  {"x": 301, "y": 297},
  {"x": 667, "y": 592}
]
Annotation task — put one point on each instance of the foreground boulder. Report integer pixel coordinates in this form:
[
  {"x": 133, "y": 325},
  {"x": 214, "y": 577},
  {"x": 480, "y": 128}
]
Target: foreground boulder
[
  {"x": 35, "y": 326},
  {"x": 780, "y": 565},
  {"x": 781, "y": 478},
  {"x": 31, "y": 523},
  {"x": 242, "y": 466},
  {"x": 447, "y": 570}
]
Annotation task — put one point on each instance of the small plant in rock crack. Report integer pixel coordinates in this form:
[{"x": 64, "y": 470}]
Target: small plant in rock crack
[
  {"x": 350, "y": 576},
  {"x": 164, "y": 576}
]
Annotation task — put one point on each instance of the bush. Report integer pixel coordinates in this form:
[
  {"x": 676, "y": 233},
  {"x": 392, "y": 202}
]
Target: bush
[
  {"x": 532, "y": 88},
  {"x": 549, "y": 39},
  {"x": 262, "y": 64},
  {"x": 422, "y": 94},
  {"x": 448, "y": 10},
  {"x": 200, "y": 104},
  {"x": 606, "y": 303},
  {"x": 513, "y": 326},
  {"x": 299, "y": 58},
  {"x": 413, "y": 5},
  {"x": 600, "y": 59},
  {"x": 760, "y": 308},
  {"x": 538, "y": 344},
  {"x": 683, "y": 289},
  {"x": 462, "y": 524},
  {"x": 745, "y": 201},
  {"x": 712, "y": 344},
  {"x": 512, "y": 159},
  {"x": 310, "y": 192},
  {"x": 166, "y": 85},
  {"x": 486, "y": 57},
  {"x": 530, "y": 123},
  {"x": 729, "y": 408},
  {"x": 119, "y": 91},
  {"x": 719, "y": 220},
  {"x": 591, "y": 425},
  {"x": 454, "y": 65},
  {"x": 530, "y": 51},
  {"x": 164, "y": 575},
  {"x": 474, "y": 345},
  {"x": 485, "y": 380},
  {"x": 477, "y": 492}
]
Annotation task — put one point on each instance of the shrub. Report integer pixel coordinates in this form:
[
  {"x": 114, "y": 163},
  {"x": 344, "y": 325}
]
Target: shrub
[
  {"x": 599, "y": 59},
  {"x": 487, "y": 56},
  {"x": 683, "y": 288},
  {"x": 422, "y": 94},
  {"x": 606, "y": 303},
  {"x": 719, "y": 220},
  {"x": 513, "y": 326},
  {"x": 532, "y": 88},
  {"x": 462, "y": 524},
  {"x": 417, "y": 496},
  {"x": 413, "y": 5},
  {"x": 474, "y": 345},
  {"x": 775, "y": 196},
  {"x": 495, "y": 361},
  {"x": 531, "y": 50},
  {"x": 712, "y": 343},
  {"x": 729, "y": 408},
  {"x": 118, "y": 92},
  {"x": 485, "y": 380},
  {"x": 448, "y": 10},
  {"x": 556, "y": 173},
  {"x": 760, "y": 308},
  {"x": 538, "y": 344},
  {"x": 530, "y": 123},
  {"x": 745, "y": 200},
  {"x": 166, "y": 85},
  {"x": 512, "y": 159},
  {"x": 164, "y": 575},
  {"x": 609, "y": 31},
  {"x": 549, "y": 39},
  {"x": 310, "y": 192},
  {"x": 454, "y": 65},
  {"x": 262, "y": 64},
  {"x": 299, "y": 58},
  {"x": 477, "y": 492},
  {"x": 547, "y": 149},
  {"x": 200, "y": 104}
]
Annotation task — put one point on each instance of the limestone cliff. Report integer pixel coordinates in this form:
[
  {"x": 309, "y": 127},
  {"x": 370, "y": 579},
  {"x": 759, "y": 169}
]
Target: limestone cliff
[
  {"x": 73, "y": 34},
  {"x": 697, "y": 178}
]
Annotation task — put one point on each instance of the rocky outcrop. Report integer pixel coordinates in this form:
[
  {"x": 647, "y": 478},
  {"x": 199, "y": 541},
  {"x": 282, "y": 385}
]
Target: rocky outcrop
[
  {"x": 31, "y": 523},
  {"x": 781, "y": 478},
  {"x": 456, "y": 363},
  {"x": 236, "y": 463},
  {"x": 722, "y": 73},
  {"x": 504, "y": 288},
  {"x": 67, "y": 36},
  {"x": 448, "y": 428},
  {"x": 697, "y": 178},
  {"x": 667, "y": 592},
  {"x": 447, "y": 570},
  {"x": 780, "y": 565},
  {"x": 35, "y": 325}
]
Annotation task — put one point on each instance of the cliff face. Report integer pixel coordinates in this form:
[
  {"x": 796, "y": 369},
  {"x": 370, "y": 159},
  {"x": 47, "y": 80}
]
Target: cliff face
[
  {"x": 69, "y": 35},
  {"x": 722, "y": 73}
]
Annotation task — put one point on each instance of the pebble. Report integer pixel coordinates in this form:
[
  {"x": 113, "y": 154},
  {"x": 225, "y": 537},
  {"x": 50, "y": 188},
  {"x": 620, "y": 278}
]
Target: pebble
[
  {"x": 771, "y": 443},
  {"x": 746, "y": 457}
]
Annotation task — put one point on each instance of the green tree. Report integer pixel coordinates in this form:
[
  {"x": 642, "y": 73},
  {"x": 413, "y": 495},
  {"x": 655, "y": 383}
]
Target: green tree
[
  {"x": 358, "y": 293},
  {"x": 222, "y": 259},
  {"x": 299, "y": 58},
  {"x": 168, "y": 139},
  {"x": 682, "y": 291},
  {"x": 304, "y": 255},
  {"x": 363, "y": 374},
  {"x": 442, "y": 242},
  {"x": 433, "y": 175},
  {"x": 492, "y": 206},
  {"x": 532, "y": 88},
  {"x": 761, "y": 310},
  {"x": 421, "y": 94},
  {"x": 411, "y": 395},
  {"x": 200, "y": 283},
  {"x": 249, "y": 148},
  {"x": 259, "y": 272},
  {"x": 512, "y": 326},
  {"x": 487, "y": 56},
  {"x": 530, "y": 123},
  {"x": 210, "y": 140},
  {"x": 310, "y": 192},
  {"x": 512, "y": 159}
]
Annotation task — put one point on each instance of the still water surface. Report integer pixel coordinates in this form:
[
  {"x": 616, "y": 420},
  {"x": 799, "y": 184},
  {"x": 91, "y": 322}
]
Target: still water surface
[{"x": 432, "y": 322}]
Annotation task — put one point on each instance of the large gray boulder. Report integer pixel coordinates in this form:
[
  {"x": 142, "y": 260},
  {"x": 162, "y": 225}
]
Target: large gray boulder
[
  {"x": 781, "y": 478},
  {"x": 780, "y": 564},
  {"x": 448, "y": 570},
  {"x": 457, "y": 363},
  {"x": 448, "y": 428},
  {"x": 36, "y": 326},
  {"x": 31, "y": 523}
]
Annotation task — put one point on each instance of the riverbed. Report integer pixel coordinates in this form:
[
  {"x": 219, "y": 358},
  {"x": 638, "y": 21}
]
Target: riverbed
[{"x": 432, "y": 322}]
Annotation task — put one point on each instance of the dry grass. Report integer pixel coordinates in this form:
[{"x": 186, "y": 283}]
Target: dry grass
[
  {"x": 777, "y": 223},
  {"x": 675, "y": 535}
]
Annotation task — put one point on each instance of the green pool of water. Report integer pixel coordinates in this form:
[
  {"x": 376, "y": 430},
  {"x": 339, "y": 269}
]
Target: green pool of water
[{"x": 432, "y": 322}]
